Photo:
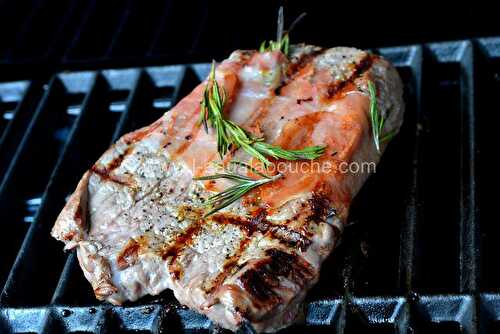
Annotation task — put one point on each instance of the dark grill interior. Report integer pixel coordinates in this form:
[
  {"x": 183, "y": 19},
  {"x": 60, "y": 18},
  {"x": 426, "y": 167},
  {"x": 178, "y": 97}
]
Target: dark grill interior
[
  {"x": 41, "y": 37},
  {"x": 416, "y": 258}
]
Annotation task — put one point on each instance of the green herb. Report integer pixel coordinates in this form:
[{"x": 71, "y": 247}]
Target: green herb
[
  {"x": 377, "y": 120},
  {"x": 280, "y": 45},
  {"x": 243, "y": 184},
  {"x": 212, "y": 108},
  {"x": 230, "y": 135},
  {"x": 308, "y": 153},
  {"x": 388, "y": 136}
]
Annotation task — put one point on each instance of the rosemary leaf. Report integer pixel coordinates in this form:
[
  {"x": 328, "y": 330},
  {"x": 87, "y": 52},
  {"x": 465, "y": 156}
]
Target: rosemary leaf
[
  {"x": 388, "y": 136},
  {"x": 308, "y": 153},
  {"x": 250, "y": 168},
  {"x": 374, "y": 115},
  {"x": 233, "y": 177},
  {"x": 377, "y": 120},
  {"x": 243, "y": 184},
  {"x": 282, "y": 45}
]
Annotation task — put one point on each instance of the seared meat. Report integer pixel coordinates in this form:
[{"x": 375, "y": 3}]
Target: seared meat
[{"x": 136, "y": 217}]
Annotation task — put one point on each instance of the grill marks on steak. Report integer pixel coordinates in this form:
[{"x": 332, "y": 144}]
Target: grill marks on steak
[
  {"x": 129, "y": 254},
  {"x": 105, "y": 172},
  {"x": 181, "y": 242},
  {"x": 264, "y": 276},
  {"x": 257, "y": 223},
  {"x": 286, "y": 237},
  {"x": 135, "y": 217},
  {"x": 359, "y": 68}
]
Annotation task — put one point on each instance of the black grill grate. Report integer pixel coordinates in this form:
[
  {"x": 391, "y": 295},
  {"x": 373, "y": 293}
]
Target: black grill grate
[{"x": 416, "y": 258}]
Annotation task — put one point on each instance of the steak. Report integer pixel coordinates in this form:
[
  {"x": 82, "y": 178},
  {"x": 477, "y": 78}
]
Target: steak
[{"x": 136, "y": 218}]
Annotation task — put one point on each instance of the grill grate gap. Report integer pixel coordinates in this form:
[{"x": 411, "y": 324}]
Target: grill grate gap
[
  {"x": 7, "y": 112},
  {"x": 488, "y": 73},
  {"x": 441, "y": 178},
  {"x": 16, "y": 104}
]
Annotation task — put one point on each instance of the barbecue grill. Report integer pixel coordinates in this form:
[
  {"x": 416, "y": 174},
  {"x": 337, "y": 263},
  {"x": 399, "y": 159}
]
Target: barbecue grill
[{"x": 416, "y": 258}]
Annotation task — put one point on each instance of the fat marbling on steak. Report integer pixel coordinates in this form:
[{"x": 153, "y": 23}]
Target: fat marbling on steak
[{"x": 136, "y": 217}]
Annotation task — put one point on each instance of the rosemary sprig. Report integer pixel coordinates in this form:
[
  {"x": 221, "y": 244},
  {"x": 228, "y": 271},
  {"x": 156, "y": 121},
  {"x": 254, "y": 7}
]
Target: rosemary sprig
[
  {"x": 308, "y": 153},
  {"x": 230, "y": 135},
  {"x": 212, "y": 107},
  {"x": 377, "y": 120},
  {"x": 281, "y": 45},
  {"x": 282, "y": 40},
  {"x": 243, "y": 184}
]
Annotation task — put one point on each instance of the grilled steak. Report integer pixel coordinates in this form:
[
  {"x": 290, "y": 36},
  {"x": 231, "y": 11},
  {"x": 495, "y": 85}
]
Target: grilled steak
[{"x": 136, "y": 217}]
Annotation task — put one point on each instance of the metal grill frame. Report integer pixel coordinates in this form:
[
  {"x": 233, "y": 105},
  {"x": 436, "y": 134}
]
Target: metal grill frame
[{"x": 33, "y": 303}]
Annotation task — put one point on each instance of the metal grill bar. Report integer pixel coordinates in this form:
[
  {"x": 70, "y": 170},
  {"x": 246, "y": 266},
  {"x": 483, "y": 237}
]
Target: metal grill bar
[
  {"x": 61, "y": 105},
  {"x": 420, "y": 273},
  {"x": 410, "y": 65}
]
